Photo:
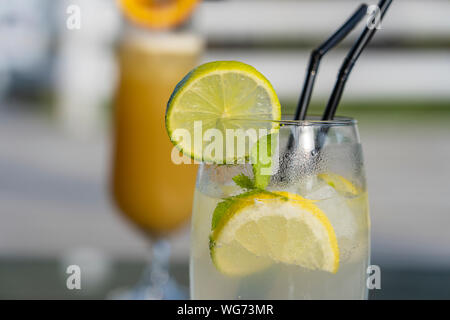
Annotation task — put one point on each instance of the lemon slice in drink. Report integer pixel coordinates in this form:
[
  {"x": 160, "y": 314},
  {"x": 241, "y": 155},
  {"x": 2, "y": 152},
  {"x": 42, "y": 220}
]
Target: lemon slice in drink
[
  {"x": 220, "y": 95},
  {"x": 339, "y": 183},
  {"x": 259, "y": 228}
]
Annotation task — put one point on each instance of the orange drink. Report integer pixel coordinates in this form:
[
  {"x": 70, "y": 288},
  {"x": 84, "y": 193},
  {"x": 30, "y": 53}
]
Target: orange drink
[{"x": 149, "y": 189}]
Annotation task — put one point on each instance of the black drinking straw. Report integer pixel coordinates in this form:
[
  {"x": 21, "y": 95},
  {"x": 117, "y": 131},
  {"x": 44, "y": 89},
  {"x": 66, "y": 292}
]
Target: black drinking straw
[
  {"x": 349, "y": 62},
  {"x": 344, "y": 73},
  {"x": 318, "y": 53}
]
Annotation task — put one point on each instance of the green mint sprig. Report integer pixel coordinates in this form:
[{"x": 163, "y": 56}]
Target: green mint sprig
[
  {"x": 261, "y": 156},
  {"x": 261, "y": 166}
]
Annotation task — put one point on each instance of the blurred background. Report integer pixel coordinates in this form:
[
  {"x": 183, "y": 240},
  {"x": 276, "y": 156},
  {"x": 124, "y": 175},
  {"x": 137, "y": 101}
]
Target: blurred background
[{"x": 57, "y": 89}]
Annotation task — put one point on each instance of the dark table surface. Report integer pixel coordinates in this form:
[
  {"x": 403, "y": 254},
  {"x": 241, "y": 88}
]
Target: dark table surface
[{"x": 45, "y": 279}]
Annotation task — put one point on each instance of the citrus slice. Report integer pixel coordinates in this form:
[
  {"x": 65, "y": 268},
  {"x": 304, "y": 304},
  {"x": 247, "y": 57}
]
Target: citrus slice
[
  {"x": 339, "y": 183},
  {"x": 220, "y": 95},
  {"x": 258, "y": 228},
  {"x": 158, "y": 14}
]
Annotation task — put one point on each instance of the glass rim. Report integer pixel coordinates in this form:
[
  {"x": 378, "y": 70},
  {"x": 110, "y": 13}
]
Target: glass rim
[{"x": 314, "y": 120}]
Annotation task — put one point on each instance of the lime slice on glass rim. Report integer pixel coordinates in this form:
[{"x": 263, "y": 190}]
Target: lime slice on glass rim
[
  {"x": 220, "y": 95},
  {"x": 256, "y": 229}
]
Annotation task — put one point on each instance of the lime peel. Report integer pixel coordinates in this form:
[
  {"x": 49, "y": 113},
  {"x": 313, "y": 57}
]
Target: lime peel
[{"x": 223, "y": 95}]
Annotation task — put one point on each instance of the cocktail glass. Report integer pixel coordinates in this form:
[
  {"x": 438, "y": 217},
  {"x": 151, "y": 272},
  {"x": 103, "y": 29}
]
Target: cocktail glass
[
  {"x": 146, "y": 183},
  {"x": 263, "y": 249}
]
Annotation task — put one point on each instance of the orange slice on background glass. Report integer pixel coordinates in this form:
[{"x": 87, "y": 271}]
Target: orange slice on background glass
[{"x": 158, "y": 14}]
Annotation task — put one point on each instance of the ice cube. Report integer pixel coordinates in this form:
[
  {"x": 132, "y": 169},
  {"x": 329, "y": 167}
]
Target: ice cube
[
  {"x": 217, "y": 180},
  {"x": 340, "y": 215},
  {"x": 320, "y": 191}
]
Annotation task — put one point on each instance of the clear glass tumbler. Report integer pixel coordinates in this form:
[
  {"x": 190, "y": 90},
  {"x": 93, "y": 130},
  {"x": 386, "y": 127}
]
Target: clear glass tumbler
[{"x": 305, "y": 236}]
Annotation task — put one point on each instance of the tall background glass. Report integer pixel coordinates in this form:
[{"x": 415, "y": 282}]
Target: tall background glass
[
  {"x": 333, "y": 176},
  {"x": 151, "y": 191}
]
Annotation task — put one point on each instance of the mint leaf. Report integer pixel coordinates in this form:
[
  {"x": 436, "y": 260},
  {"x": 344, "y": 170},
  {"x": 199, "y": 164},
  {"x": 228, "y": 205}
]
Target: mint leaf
[
  {"x": 244, "y": 182},
  {"x": 261, "y": 156}
]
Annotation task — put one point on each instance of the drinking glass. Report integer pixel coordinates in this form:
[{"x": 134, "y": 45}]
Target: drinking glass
[
  {"x": 146, "y": 183},
  {"x": 320, "y": 165}
]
